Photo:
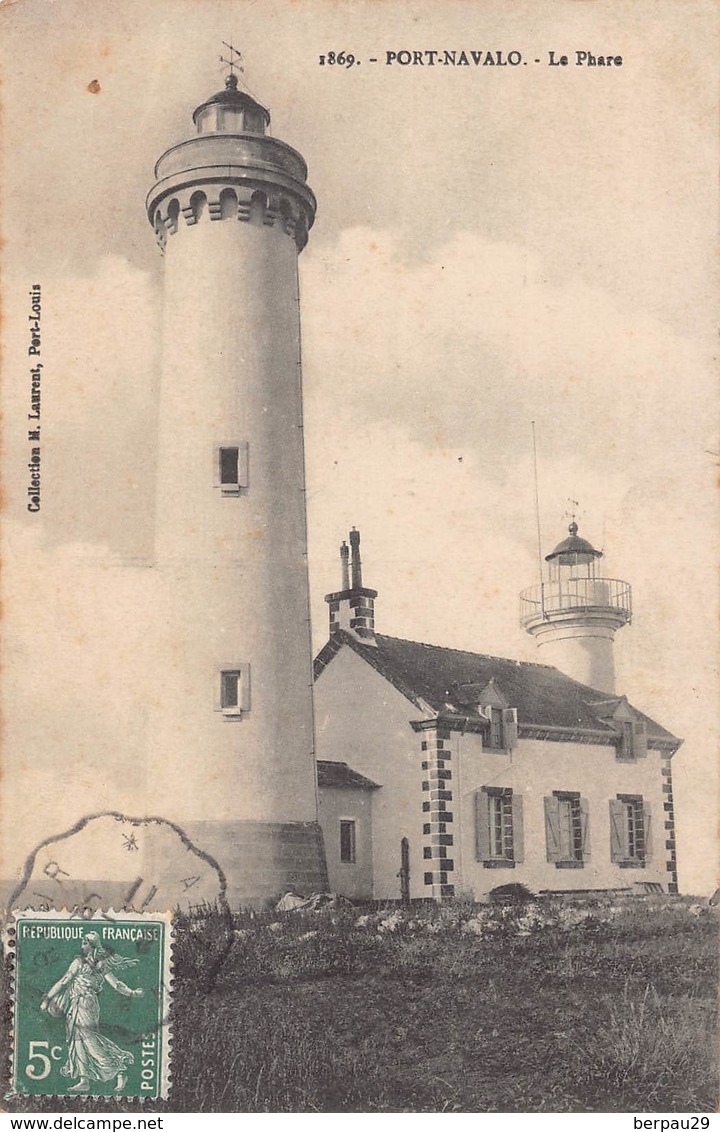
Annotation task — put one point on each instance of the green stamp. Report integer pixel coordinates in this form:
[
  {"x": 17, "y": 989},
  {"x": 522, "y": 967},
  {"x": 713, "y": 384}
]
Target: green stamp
[{"x": 91, "y": 1004}]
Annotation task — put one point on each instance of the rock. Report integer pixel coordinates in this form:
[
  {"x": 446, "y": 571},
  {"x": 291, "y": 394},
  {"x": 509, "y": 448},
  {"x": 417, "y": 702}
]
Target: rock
[{"x": 291, "y": 902}]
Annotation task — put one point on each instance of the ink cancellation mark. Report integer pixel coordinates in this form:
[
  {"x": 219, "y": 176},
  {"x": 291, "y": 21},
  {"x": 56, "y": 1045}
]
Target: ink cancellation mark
[
  {"x": 91, "y": 1003},
  {"x": 110, "y": 859}
]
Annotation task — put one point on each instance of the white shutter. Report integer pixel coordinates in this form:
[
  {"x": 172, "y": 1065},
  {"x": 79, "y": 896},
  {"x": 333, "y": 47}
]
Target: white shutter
[
  {"x": 639, "y": 740},
  {"x": 552, "y": 828},
  {"x": 618, "y": 831},
  {"x": 482, "y": 825},
  {"x": 585, "y": 828},
  {"x": 518, "y": 829},
  {"x": 647, "y": 830},
  {"x": 510, "y": 729}
]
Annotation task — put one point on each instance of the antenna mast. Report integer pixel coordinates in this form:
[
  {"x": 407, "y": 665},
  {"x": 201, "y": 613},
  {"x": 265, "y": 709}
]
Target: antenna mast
[{"x": 537, "y": 519}]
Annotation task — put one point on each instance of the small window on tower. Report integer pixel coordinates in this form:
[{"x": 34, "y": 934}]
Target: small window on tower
[
  {"x": 231, "y": 468},
  {"x": 230, "y": 691},
  {"x": 234, "y": 691},
  {"x": 228, "y": 466}
]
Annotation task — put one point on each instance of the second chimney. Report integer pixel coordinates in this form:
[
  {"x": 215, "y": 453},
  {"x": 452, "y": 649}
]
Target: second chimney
[{"x": 353, "y": 607}]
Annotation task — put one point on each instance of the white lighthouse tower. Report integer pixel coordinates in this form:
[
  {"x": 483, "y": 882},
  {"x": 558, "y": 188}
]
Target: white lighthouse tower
[
  {"x": 232, "y": 748},
  {"x": 575, "y": 614}
]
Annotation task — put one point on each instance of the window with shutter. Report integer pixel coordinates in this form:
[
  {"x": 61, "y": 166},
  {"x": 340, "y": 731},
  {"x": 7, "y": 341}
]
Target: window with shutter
[
  {"x": 626, "y": 740},
  {"x": 510, "y": 730},
  {"x": 640, "y": 740},
  {"x": 503, "y": 734},
  {"x": 632, "y": 742},
  {"x": 496, "y": 728},
  {"x": 629, "y": 830},
  {"x": 499, "y": 821},
  {"x": 567, "y": 829}
]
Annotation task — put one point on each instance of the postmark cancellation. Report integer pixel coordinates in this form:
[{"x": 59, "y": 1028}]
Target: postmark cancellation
[{"x": 91, "y": 1004}]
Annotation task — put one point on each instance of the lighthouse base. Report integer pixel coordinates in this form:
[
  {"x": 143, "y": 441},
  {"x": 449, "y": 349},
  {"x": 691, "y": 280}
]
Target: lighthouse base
[
  {"x": 262, "y": 860},
  {"x": 114, "y": 861}
]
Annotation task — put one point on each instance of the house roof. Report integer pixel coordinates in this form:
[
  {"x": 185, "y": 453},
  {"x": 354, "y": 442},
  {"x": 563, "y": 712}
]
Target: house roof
[
  {"x": 432, "y": 676},
  {"x": 340, "y": 774}
]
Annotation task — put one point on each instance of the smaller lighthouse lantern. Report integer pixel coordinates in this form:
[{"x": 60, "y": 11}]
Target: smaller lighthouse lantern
[
  {"x": 572, "y": 560},
  {"x": 575, "y": 614}
]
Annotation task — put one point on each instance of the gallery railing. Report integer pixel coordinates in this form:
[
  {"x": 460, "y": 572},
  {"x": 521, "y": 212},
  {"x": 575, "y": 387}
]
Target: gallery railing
[{"x": 577, "y": 595}]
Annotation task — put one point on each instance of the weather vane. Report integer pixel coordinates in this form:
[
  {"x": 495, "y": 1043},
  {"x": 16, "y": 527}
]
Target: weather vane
[
  {"x": 234, "y": 61},
  {"x": 572, "y": 514}
]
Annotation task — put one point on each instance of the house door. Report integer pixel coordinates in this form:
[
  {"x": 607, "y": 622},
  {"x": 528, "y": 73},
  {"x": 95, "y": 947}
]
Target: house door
[{"x": 404, "y": 873}]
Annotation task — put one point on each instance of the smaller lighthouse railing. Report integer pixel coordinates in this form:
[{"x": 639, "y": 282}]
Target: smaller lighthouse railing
[{"x": 577, "y": 595}]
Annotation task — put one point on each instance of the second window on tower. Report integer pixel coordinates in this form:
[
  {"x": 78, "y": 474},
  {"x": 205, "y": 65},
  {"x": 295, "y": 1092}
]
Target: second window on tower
[{"x": 231, "y": 468}]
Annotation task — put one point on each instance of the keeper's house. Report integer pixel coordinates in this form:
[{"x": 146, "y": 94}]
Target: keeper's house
[{"x": 445, "y": 773}]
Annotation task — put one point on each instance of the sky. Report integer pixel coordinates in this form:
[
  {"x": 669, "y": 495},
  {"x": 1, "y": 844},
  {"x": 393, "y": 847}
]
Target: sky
[{"x": 493, "y": 246}]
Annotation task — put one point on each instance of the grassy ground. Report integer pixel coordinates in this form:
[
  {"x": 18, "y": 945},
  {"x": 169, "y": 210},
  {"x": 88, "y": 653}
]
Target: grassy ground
[{"x": 547, "y": 1007}]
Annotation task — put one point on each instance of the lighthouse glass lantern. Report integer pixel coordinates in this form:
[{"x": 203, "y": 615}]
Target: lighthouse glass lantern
[{"x": 575, "y": 614}]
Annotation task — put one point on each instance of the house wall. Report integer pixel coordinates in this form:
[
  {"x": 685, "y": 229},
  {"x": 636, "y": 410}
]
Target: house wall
[
  {"x": 362, "y": 720},
  {"x": 335, "y": 803},
  {"x": 535, "y": 769}
]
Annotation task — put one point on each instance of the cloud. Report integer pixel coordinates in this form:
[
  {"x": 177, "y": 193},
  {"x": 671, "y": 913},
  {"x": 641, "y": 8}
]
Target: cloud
[
  {"x": 76, "y": 659},
  {"x": 469, "y": 346}
]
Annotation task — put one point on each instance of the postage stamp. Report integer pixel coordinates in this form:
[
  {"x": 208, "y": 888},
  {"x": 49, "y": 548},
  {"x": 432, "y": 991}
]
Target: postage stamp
[{"x": 91, "y": 1004}]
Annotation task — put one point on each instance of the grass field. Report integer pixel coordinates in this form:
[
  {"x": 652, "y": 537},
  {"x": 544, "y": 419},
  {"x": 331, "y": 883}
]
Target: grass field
[{"x": 597, "y": 1006}]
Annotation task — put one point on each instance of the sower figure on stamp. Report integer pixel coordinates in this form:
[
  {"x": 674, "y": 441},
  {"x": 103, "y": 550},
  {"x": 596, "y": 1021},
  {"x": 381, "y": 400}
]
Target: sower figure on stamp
[{"x": 91, "y": 1056}]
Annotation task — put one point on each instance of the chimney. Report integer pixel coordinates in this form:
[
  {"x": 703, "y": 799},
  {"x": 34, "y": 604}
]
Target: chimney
[
  {"x": 353, "y": 607},
  {"x": 356, "y": 564},
  {"x": 345, "y": 566}
]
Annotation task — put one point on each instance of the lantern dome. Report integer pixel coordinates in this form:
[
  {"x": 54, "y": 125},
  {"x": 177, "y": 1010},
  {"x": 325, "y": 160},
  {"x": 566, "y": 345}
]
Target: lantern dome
[
  {"x": 231, "y": 111},
  {"x": 573, "y": 550}
]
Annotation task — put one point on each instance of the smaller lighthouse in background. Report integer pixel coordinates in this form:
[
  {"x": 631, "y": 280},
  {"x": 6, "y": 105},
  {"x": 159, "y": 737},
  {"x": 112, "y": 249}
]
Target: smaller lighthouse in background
[{"x": 575, "y": 614}]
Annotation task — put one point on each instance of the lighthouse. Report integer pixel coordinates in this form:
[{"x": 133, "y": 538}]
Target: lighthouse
[
  {"x": 231, "y": 734},
  {"x": 575, "y": 613}
]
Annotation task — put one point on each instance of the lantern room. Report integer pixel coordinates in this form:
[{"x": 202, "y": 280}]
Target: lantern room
[
  {"x": 231, "y": 111},
  {"x": 572, "y": 558},
  {"x": 575, "y": 614}
]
